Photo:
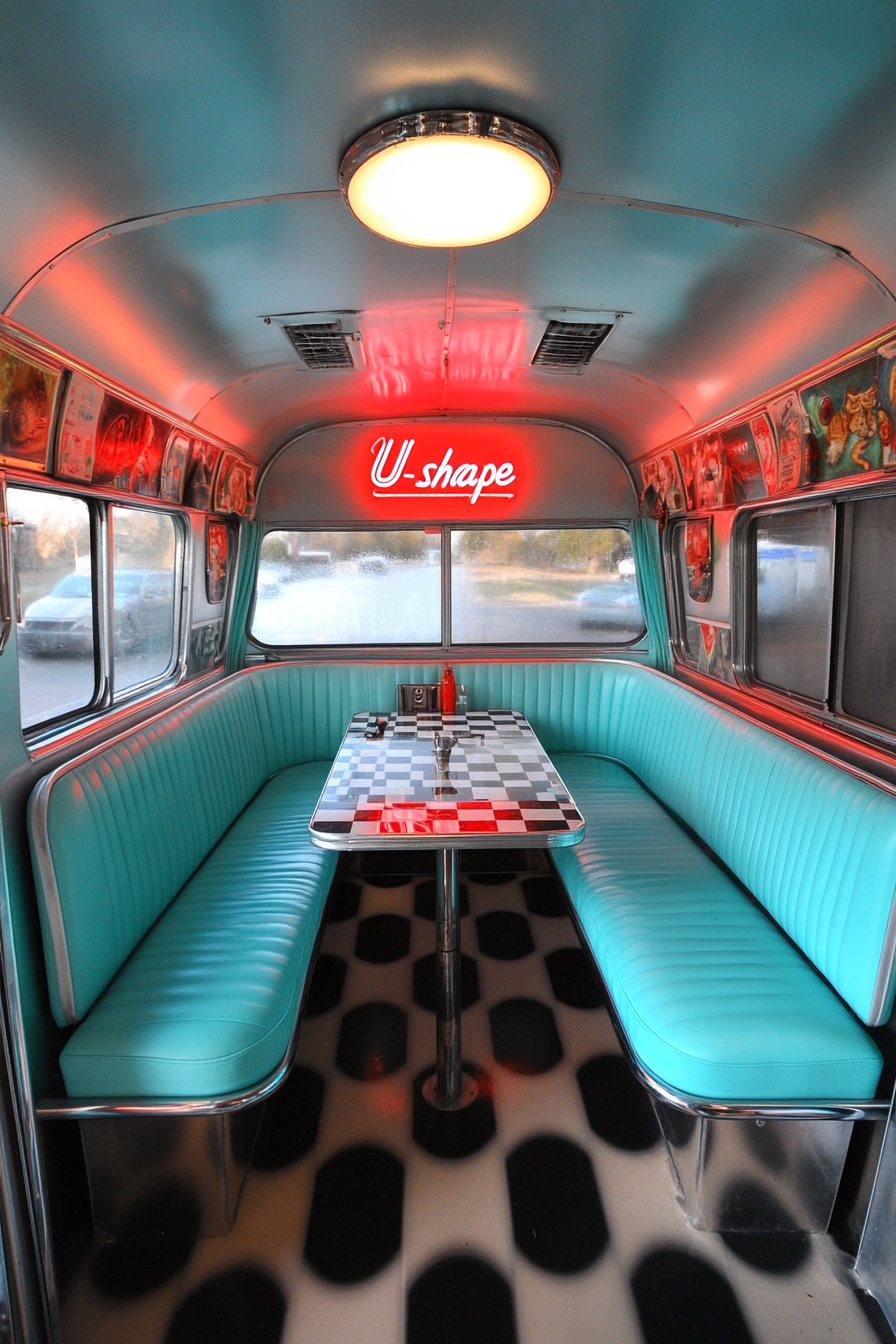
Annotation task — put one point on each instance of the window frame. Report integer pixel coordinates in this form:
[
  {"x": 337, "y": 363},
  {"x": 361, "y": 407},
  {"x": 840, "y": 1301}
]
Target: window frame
[
  {"x": 743, "y": 613},
  {"x": 445, "y": 651},
  {"x": 104, "y": 701}
]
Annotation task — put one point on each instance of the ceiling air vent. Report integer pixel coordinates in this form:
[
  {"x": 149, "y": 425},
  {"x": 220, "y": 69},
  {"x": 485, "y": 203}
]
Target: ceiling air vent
[
  {"x": 567, "y": 347},
  {"x": 323, "y": 340},
  {"x": 322, "y": 345}
]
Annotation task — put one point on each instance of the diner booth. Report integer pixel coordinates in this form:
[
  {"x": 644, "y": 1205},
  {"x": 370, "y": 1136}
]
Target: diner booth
[{"x": 447, "y": 722}]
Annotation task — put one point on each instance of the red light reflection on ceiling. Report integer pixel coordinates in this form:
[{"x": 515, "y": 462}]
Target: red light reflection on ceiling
[{"x": 753, "y": 359}]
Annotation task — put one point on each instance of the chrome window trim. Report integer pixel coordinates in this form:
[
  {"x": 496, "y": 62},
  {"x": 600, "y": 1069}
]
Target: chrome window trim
[
  {"x": 6, "y": 589},
  {"x": 55, "y": 730},
  {"x": 446, "y": 650}
]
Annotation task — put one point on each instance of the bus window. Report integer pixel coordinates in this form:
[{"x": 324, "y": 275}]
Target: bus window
[
  {"x": 794, "y": 594},
  {"x": 544, "y": 586},
  {"x": 54, "y": 603},
  {"x": 144, "y": 595},
  {"x": 331, "y": 588}
]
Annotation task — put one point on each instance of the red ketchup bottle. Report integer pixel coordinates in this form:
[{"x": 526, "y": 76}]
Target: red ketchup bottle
[{"x": 449, "y": 691}]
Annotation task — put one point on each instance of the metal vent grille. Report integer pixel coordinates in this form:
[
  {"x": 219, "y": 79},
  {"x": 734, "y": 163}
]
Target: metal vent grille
[
  {"x": 322, "y": 345},
  {"x": 568, "y": 346}
]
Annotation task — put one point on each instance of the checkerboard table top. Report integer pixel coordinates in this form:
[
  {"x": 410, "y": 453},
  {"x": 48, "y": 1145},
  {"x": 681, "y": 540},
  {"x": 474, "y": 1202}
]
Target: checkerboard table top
[{"x": 500, "y": 789}]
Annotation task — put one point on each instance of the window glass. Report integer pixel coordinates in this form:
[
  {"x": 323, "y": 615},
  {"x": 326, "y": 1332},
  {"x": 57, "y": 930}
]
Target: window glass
[
  {"x": 868, "y": 688},
  {"x": 794, "y": 583},
  {"x": 349, "y": 588},
  {"x": 54, "y": 603},
  {"x": 144, "y": 595},
  {"x": 544, "y": 586}
]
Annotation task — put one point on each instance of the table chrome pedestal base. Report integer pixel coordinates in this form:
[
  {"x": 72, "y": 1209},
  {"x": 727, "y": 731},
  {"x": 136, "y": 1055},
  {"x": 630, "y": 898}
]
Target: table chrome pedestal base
[
  {"x": 469, "y": 1091},
  {"x": 449, "y": 1089}
]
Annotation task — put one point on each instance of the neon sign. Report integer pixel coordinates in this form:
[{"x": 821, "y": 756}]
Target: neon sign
[{"x": 447, "y": 479}]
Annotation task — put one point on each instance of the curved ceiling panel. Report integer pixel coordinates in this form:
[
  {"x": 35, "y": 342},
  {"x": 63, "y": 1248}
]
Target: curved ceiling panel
[{"x": 768, "y": 113}]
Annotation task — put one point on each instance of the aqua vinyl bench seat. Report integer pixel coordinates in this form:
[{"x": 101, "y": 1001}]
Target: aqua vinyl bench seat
[
  {"x": 181, "y": 900},
  {"x": 207, "y": 1003},
  {"x": 715, "y": 1003}
]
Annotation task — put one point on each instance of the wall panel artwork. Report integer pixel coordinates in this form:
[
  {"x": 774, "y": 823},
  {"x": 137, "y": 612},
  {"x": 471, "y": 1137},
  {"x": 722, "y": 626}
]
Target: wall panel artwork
[
  {"x": 790, "y": 426},
  {"x": 235, "y": 487},
  {"x": 662, "y": 489},
  {"x": 200, "y": 480},
  {"x": 709, "y": 649},
  {"x": 28, "y": 393},
  {"x": 845, "y": 416},
  {"x": 76, "y": 445},
  {"x": 698, "y": 558},
  {"x": 129, "y": 447},
  {"x": 217, "y": 548}
]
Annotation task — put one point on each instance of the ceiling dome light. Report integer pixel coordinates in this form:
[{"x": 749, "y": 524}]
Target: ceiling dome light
[{"x": 448, "y": 179}]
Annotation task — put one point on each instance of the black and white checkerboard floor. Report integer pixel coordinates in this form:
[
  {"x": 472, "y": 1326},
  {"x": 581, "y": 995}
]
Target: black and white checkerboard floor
[{"x": 545, "y": 1213}]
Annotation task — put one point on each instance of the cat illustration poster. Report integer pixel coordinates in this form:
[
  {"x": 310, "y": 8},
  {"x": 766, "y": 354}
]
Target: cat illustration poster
[
  {"x": 844, "y": 416},
  {"x": 28, "y": 394},
  {"x": 698, "y": 558},
  {"x": 744, "y": 479},
  {"x": 886, "y": 396},
  {"x": 76, "y": 448},
  {"x": 791, "y": 427}
]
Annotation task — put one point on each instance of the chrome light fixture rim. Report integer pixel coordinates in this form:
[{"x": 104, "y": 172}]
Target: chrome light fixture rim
[{"x": 447, "y": 121}]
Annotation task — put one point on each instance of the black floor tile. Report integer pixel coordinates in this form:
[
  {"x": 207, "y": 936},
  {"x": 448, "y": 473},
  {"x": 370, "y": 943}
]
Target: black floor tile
[
  {"x": 343, "y": 901},
  {"x": 681, "y": 1299},
  {"x": 618, "y": 1107},
  {"x": 454, "y": 1134},
  {"x": 572, "y": 978},
  {"x": 766, "y": 1236},
  {"x": 327, "y": 983},
  {"x": 240, "y": 1306},
  {"x": 425, "y": 900},
  {"x": 544, "y": 896},
  {"x": 373, "y": 1041},
  {"x": 154, "y": 1243},
  {"x": 558, "y": 1218},
  {"x": 504, "y": 935},
  {"x": 290, "y": 1121},
  {"x": 460, "y": 1300},
  {"x": 354, "y": 1228},
  {"x": 383, "y": 938},
  {"x": 524, "y": 1036},
  {"x": 425, "y": 982},
  {"x": 485, "y": 878}
]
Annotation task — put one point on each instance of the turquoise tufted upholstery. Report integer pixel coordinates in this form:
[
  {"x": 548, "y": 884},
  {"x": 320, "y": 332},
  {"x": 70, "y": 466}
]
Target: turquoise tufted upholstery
[
  {"x": 183, "y": 806},
  {"x": 715, "y": 1002}
]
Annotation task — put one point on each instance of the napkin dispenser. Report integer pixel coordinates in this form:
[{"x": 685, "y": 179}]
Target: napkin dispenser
[{"x": 419, "y": 697}]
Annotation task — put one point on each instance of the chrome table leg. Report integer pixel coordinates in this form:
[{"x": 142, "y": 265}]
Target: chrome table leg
[{"x": 449, "y": 1089}]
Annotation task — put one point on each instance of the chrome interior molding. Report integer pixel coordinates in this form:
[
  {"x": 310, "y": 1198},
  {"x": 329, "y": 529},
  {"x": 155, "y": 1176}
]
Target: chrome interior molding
[{"x": 37, "y": 813}]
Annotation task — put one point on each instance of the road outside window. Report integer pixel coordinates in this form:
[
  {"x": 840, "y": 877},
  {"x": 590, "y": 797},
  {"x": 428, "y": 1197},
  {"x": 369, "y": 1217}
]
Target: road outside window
[
  {"x": 54, "y": 603},
  {"x": 544, "y": 586},
  {"x": 331, "y": 588},
  {"x": 144, "y": 596}
]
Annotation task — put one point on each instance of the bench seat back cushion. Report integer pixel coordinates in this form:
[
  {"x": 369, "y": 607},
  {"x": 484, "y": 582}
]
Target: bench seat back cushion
[
  {"x": 116, "y": 835},
  {"x": 207, "y": 1003},
  {"x": 716, "y": 1004},
  {"x": 814, "y": 843}
]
